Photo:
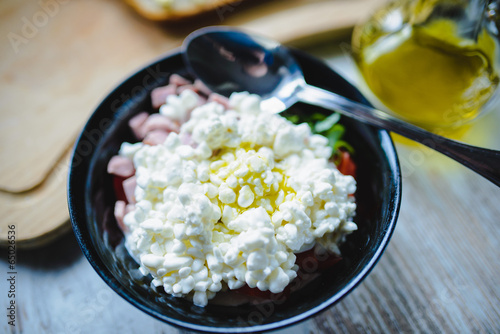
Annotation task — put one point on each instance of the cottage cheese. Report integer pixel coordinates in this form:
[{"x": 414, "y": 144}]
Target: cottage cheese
[{"x": 234, "y": 206}]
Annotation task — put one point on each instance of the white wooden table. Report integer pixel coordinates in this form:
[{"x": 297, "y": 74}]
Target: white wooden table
[{"x": 440, "y": 272}]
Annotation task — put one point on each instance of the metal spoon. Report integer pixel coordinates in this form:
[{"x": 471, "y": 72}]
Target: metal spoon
[{"x": 229, "y": 60}]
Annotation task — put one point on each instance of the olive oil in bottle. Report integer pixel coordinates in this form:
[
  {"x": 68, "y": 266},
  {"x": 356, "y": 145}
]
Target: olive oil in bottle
[{"x": 427, "y": 73}]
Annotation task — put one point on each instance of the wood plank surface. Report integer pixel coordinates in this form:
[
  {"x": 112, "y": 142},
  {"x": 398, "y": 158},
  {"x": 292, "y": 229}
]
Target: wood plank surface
[
  {"x": 61, "y": 57},
  {"x": 439, "y": 273}
]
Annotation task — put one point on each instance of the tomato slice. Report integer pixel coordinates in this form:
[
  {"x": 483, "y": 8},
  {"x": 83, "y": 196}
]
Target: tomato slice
[
  {"x": 254, "y": 292},
  {"x": 310, "y": 262},
  {"x": 263, "y": 295},
  {"x": 118, "y": 187},
  {"x": 347, "y": 165}
]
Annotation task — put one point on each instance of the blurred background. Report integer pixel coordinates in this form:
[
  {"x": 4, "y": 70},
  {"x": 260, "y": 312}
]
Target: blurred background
[{"x": 60, "y": 58}]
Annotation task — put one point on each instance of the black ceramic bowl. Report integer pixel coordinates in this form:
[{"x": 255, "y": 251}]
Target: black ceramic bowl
[{"x": 91, "y": 199}]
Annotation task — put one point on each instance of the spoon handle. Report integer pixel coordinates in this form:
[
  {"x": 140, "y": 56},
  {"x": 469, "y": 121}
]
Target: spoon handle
[{"x": 483, "y": 161}]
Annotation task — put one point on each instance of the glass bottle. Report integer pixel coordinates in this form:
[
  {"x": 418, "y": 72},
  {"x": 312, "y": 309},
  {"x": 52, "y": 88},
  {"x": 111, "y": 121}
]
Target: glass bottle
[{"x": 434, "y": 63}]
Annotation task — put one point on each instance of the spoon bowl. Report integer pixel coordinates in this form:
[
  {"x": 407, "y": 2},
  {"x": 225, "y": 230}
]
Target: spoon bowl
[{"x": 229, "y": 60}]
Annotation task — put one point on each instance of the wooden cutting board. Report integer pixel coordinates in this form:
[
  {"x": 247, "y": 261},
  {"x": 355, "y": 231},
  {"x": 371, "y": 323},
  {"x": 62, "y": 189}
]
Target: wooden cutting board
[{"x": 60, "y": 57}]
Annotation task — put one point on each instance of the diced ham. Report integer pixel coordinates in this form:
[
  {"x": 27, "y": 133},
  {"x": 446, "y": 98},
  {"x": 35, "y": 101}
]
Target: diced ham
[
  {"x": 120, "y": 212},
  {"x": 129, "y": 208},
  {"x": 159, "y": 122},
  {"x": 219, "y": 99},
  {"x": 159, "y": 95},
  {"x": 129, "y": 189},
  {"x": 121, "y": 166},
  {"x": 201, "y": 100},
  {"x": 177, "y": 80},
  {"x": 180, "y": 89},
  {"x": 155, "y": 137},
  {"x": 202, "y": 88},
  {"x": 136, "y": 124}
]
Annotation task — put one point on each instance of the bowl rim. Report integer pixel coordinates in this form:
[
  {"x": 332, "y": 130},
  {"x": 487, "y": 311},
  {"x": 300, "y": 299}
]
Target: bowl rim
[{"x": 85, "y": 243}]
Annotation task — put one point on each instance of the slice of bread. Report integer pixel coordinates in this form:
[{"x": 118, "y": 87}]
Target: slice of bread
[{"x": 174, "y": 10}]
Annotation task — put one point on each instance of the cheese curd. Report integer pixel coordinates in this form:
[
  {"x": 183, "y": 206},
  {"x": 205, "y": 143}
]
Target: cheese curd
[{"x": 233, "y": 206}]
